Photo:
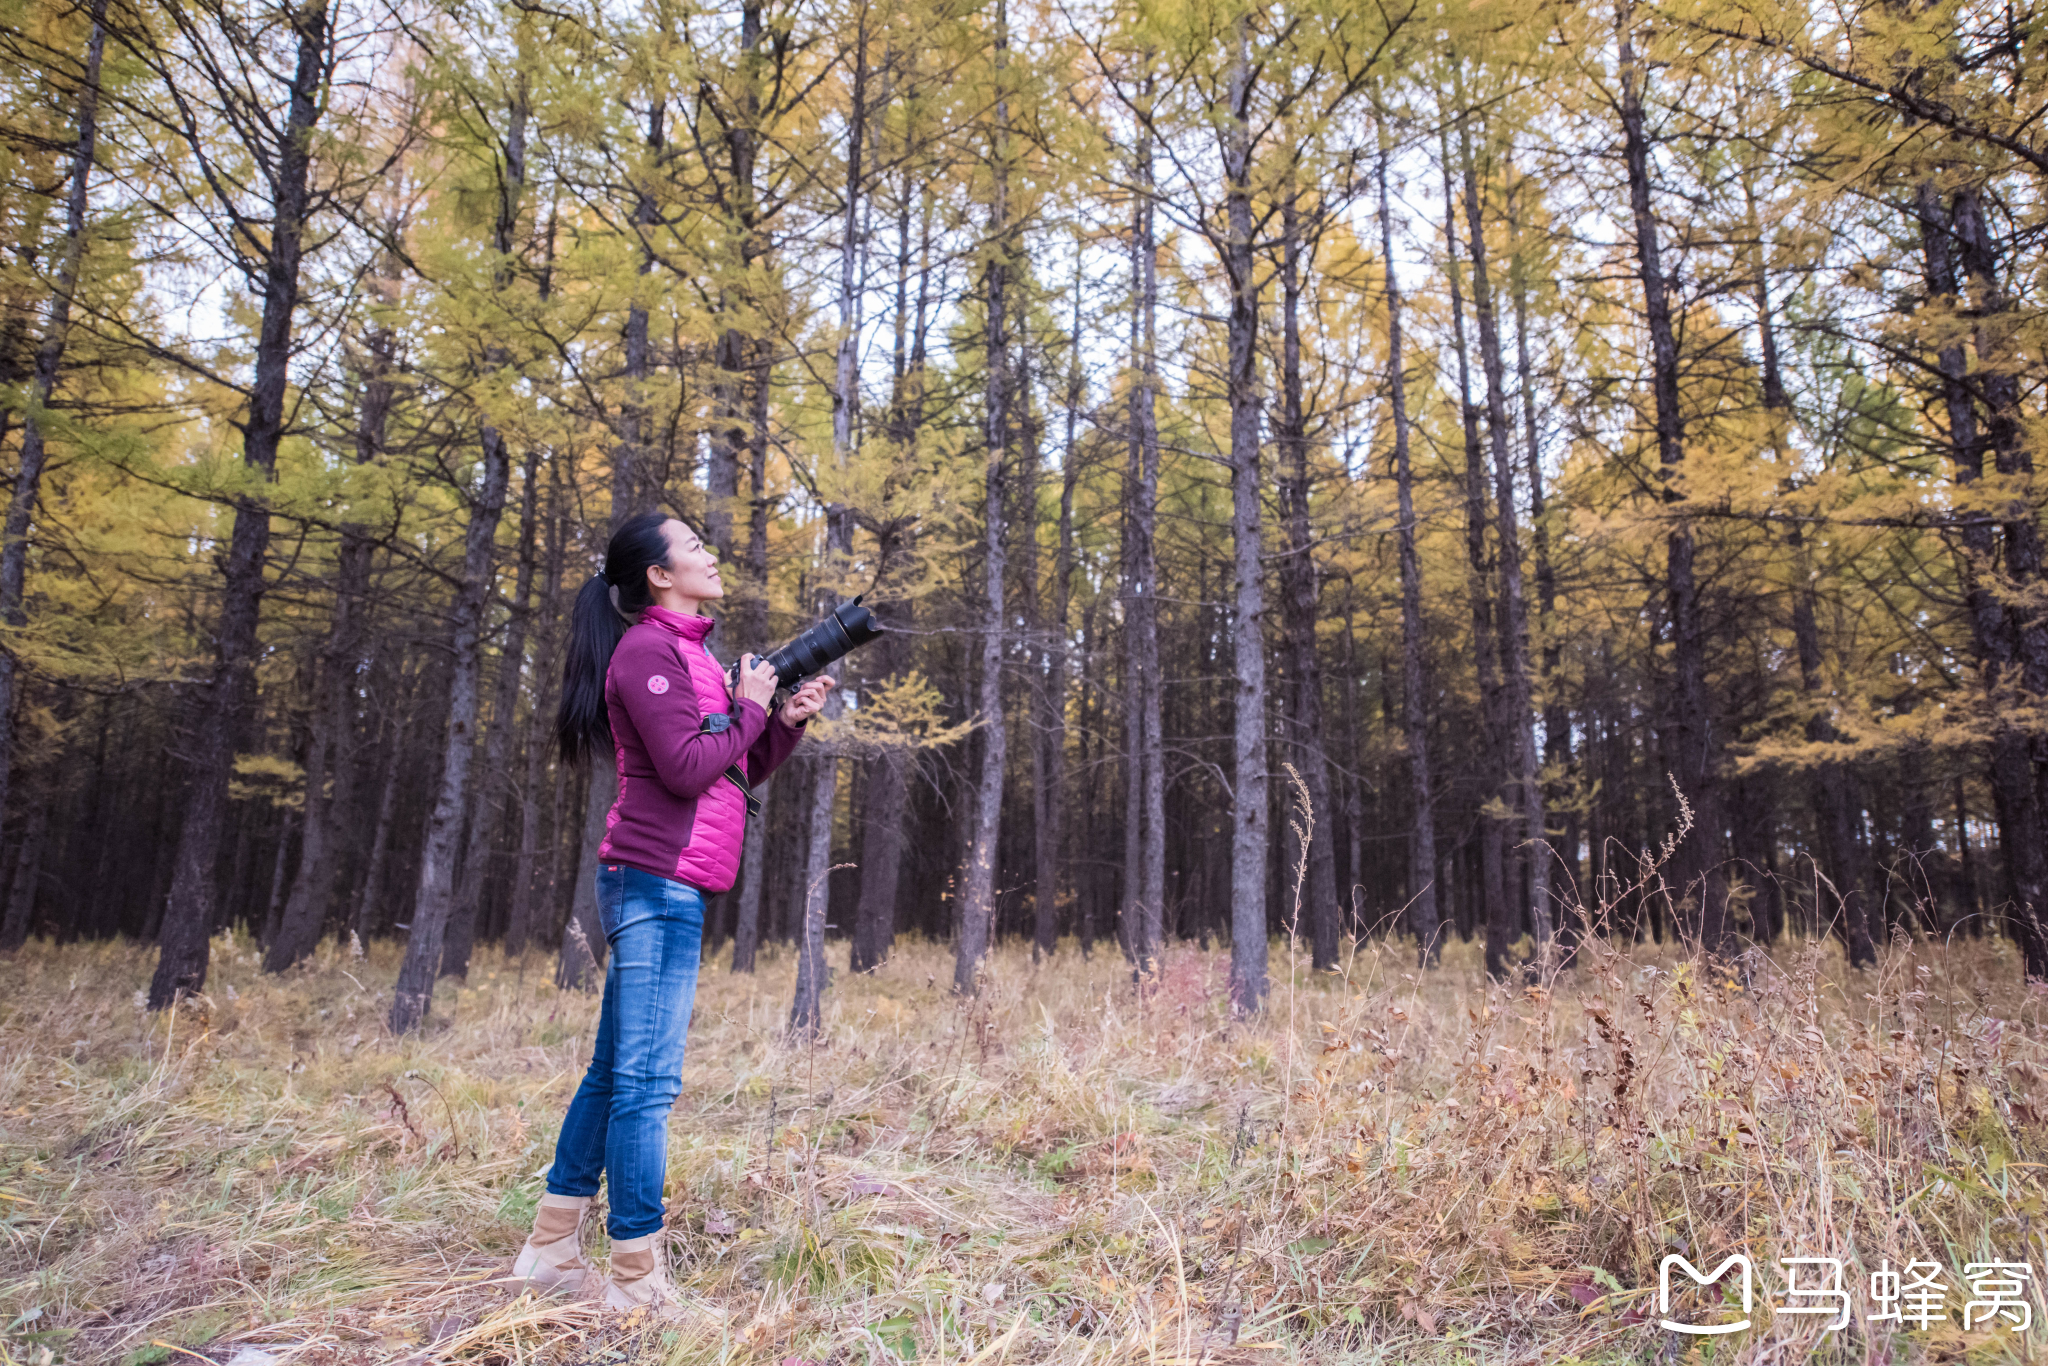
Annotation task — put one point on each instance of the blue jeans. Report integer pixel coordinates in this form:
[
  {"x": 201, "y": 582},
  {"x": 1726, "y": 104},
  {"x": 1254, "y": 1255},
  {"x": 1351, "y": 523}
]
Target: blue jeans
[{"x": 617, "y": 1125}]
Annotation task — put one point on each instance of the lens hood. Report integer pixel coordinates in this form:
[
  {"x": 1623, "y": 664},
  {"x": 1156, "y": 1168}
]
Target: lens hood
[{"x": 848, "y": 628}]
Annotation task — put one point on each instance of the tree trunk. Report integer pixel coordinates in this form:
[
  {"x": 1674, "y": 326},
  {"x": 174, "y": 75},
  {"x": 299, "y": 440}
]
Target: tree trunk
[
  {"x": 1522, "y": 791},
  {"x": 1968, "y": 905},
  {"x": 273, "y": 904},
  {"x": 1095, "y": 878},
  {"x": 580, "y": 966},
  {"x": 520, "y": 927},
  {"x": 1249, "y": 777},
  {"x": 736, "y": 352},
  {"x": 334, "y": 716},
  {"x": 304, "y": 914},
  {"x": 413, "y": 994},
  {"x": 1837, "y": 809},
  {"x": 753, "y": 616},
  {"x": 874, "y": 929},
  {"x": 753, "y": 635},
  {"x": 1051, "y": 782},
  {"x": 807, "y": 1012},
  {"x": 1300, "y": 590},
  {"x": 1030, "y": 609},
  {"x": 1557, "y": 740},
  {"x": 583, "y": 943},
  {"x": 1349, "y": 782},
  {"x": 806, "y": 1015},
  {"x": 1499, "y": 913},
  {"x": 1994, "y": 341},
  {"x": 2000, "y": 346},
  {"x": 1422, "y": 860},
  {"x": 1691, "y": 744},
  {"x": 1042, "y": 692},
  {"x": 362, "y": 920},
  {"x": 439, "y": 902},
  {"x": 977, "y": 884},
  {"x": 2023, "y": 832},
  {"x": 494, "y": 783},
  {"x": 727, "y": 439},
  {"x": 1144, "y": 889},
  {"x": 634, "y": 483},
  {"x": 28, "y": 866},
  {"x": 224, "y": 703},
  {"x": 881, "y": 859},
  {"x": 489, "y": 787},
  {"x": 21, "y": 504},
  {"x": 1918, "y": 847},
  {"x": 746, "y": 929}
]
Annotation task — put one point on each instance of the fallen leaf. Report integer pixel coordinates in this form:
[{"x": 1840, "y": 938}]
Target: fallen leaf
[{"x": 1413, "y": 1311}]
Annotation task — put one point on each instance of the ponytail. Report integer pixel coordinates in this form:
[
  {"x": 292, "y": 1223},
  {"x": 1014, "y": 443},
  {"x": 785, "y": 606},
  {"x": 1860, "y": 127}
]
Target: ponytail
[{"x": 604, "y": 608}]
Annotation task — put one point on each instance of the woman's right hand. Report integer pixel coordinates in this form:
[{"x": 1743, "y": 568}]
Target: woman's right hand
[{"x": 757, "y": 681}]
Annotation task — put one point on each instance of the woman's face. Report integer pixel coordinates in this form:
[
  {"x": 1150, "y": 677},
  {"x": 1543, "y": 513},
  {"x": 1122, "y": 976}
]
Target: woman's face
[{"x": 691, "y": 573}]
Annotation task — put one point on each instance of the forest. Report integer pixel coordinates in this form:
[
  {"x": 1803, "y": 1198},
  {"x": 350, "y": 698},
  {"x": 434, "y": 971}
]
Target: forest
[{"x": 1413, "y": 472}]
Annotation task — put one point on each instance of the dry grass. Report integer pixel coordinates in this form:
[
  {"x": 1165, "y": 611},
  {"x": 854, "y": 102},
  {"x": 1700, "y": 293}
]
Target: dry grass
[{"x": 1423, "y": 1168}]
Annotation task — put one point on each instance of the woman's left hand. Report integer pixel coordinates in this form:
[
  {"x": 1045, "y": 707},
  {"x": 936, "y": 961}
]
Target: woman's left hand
[{"x": 803, "y": 704}]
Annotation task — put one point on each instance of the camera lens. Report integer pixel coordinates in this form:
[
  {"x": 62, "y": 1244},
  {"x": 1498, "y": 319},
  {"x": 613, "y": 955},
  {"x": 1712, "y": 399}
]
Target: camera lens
[{"x": 849, "y": 627}]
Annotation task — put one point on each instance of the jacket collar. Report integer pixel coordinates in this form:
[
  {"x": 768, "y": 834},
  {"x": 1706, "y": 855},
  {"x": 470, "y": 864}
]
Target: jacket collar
[{"x": 693, "y": 629}]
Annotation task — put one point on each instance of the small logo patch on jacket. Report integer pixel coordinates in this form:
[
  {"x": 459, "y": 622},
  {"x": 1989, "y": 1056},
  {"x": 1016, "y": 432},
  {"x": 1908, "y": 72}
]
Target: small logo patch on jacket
[{"x": 657, "y": 684}]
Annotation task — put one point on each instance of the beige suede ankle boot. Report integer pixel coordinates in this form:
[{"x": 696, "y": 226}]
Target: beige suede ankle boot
[
  {"x": 639, "y": 1279},
  {"x": 639, "y": 1275},
  {"x": 553, "y": 1256}
]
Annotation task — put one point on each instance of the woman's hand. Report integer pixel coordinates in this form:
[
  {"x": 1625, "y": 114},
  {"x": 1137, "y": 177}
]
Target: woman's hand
[
  {"x": 803, "y": 704},
  {"x": 757, "y": 681}
]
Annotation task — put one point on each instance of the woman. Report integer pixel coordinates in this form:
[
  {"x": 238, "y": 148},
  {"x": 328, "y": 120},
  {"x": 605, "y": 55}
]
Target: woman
[{"x": 640, "y": 682}]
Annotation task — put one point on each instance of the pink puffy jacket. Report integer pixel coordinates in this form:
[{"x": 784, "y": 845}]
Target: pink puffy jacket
[{"x": 678, "y": 814}]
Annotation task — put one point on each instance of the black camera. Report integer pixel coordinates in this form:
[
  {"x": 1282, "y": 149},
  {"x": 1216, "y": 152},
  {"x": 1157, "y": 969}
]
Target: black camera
[{"x": 849, "y": 627}]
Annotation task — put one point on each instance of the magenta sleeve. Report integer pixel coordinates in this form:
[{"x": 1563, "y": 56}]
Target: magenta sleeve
[
  {"x": 687, "y": 758},
  {"x": 778, "y": 738}
]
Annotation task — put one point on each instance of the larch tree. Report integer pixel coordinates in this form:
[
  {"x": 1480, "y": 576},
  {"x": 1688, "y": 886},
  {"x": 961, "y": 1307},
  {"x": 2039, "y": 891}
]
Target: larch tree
[
  {"x": 41, "y": 388},
  {"x": 806, "y": 1016},
  {"x": 1422, "y": 863},
  {"x": 220, "y": 72},
  {"x": 1690, "y": 740},
  {"x": 1249, "y": 779},
  {"x": 499, "y": 142},
  {"x": 978, "y": 889},
  {"x": 1521, "y": 793}
]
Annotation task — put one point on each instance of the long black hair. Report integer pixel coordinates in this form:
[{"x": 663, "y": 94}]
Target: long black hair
[{"x": 604, "y": 608}]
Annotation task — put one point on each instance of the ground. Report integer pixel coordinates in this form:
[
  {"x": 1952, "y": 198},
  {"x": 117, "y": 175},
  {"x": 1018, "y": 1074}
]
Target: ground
[{"x": 1388, "y": 1165}]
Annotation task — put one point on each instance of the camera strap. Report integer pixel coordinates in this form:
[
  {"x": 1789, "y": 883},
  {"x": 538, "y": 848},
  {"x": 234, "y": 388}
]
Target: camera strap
[
  {"x": 717, "y": 721},
  {"x": 739, "y": 777}
]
